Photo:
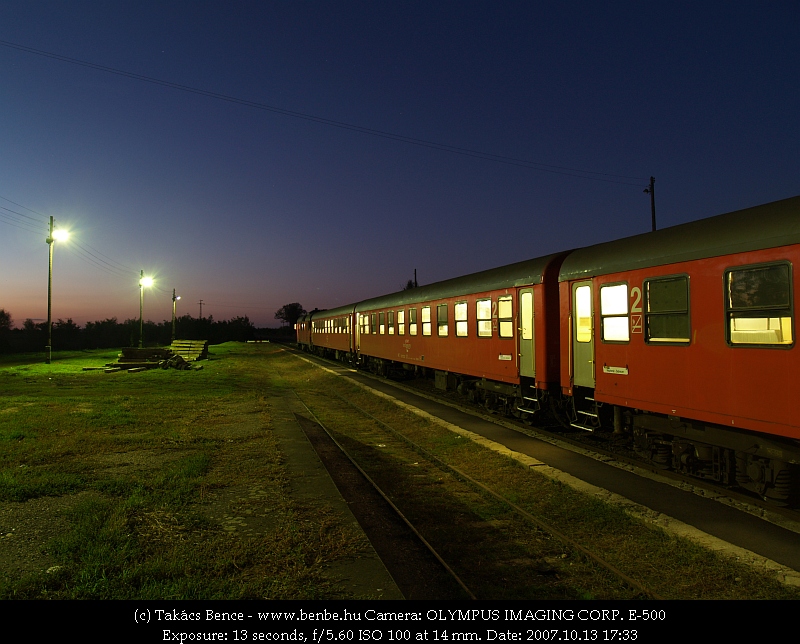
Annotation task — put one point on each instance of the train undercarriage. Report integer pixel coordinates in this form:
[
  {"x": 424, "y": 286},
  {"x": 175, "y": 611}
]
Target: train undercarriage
[{"x": 766, "y": 466}]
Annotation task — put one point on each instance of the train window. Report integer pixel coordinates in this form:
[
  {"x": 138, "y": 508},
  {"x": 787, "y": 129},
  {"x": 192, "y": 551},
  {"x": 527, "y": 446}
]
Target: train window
[
  {"x": 461, "y": 319},
  {"x": 759, "y": 305},
  {"x": 390, "y": 321},
  {"x": 441, "y": 319},
  {"x": 614, "y": 313},
  {"x": 381, "y": 324},
  {"x": 412, "y": 321},
  {"x": 426, "y": 320},
  {"x": 505, "y": 315},
  {"x": 483, "y": 309},
  {"x": 364, "y": 323},
  {"x": 401, "y": 322},
  {"x": 583, "y": 314},
  {"x": 373, "y": 323},
  {"x": 667, "y": 312},
  {"x": 526, "y": 315}
]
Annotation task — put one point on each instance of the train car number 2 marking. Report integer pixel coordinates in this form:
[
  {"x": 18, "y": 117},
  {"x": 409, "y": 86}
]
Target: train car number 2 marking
[{"x": 636, "y": 307}]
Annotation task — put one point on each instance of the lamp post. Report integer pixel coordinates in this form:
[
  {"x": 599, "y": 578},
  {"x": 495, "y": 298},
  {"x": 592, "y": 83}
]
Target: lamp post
[
  {"x": 143, "y": 281},
  {"x": 174, "y": 299},
  {"x": 54, "y": 235}
]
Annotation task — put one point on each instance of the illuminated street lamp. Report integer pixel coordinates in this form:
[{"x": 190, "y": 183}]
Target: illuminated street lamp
[
  {"x": 143, "y": 281},
  {"x": 55, "y": 235},
  {"x": 175, "y": 298}
]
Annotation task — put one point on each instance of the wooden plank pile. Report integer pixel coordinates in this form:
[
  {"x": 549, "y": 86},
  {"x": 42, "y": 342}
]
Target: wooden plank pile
[
  {"x": 140, "y": 359},
  {"x": 178, "y": 356},
  {"x": 190, "y": 350}
]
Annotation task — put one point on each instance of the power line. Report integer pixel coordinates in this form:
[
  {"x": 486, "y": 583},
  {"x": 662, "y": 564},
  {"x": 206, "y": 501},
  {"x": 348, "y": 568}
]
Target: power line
[
  {"x": 44, "y": 217},
  {"x": 21, "y": 224},
  {"x": 21, "y": 214},
  {"x": 533, "y": 165},
  {"x": 83, "y": 250}
]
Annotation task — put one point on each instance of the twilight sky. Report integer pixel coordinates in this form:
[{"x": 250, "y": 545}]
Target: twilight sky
[{"x": 509, "y": 130}]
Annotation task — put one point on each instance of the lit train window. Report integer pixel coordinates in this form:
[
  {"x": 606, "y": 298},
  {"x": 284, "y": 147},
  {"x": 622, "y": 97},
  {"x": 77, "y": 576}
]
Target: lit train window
[
  {"x": 759, "y": 305},
  {"x": 390, "y": 322},
  {"x": 441, "y": 319},
  {"x": 483, "y": 310},
  {"x": 363, "y": 323},
  {"x": 381, "y": 325},
  {"x": 667, "y": 312},
  {"x": 412, "y": 321},
  {"x": 505, "y": 315},
  {"x": 461, "y": 319},
  {"x": 583, "y": 314},
  {"x": 426, "y": 320},
  {"x": 373, "y": 323},
  {"x": 614, "y": 313},
  {"x": 401, "y": 323}
]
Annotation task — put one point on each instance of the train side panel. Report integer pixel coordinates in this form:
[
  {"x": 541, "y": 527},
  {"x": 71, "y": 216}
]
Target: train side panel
[
  {"x": 742, "y": 377},
  {"x": 470, "y": 334},
  {"x": 331, "y": 331}
]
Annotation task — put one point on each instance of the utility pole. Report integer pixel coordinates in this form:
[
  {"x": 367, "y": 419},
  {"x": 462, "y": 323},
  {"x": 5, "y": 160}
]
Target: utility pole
[
  {"x": 49, "y": 241},
  {"x": 174, "y": 300},
  {"x": 141, "y": 308},
  {"x": 201, "y": 309},
  {"x": 652, "y": 191}
]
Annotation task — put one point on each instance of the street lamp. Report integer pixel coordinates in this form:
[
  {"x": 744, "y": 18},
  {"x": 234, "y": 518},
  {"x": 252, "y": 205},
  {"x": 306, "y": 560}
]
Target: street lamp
[
  {"x": 55, "y": 235},
  {"x": 143, "y": 281},
  {"x": 175, "y": 298}
]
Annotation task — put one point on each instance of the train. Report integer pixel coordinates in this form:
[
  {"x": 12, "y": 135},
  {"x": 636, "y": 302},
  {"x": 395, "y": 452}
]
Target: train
[{"x": 678, "y": 342}]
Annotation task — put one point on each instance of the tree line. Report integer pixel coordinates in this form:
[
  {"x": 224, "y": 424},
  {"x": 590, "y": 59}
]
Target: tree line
[{"x": 110, "y": 333}]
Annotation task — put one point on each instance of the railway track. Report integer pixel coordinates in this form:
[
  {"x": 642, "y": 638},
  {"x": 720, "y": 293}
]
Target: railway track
[{"x": 488, "y": 545}]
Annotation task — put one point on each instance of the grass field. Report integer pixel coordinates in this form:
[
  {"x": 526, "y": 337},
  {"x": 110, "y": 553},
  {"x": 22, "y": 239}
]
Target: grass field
[
  {"x": 171, "y": 484},
  {"x": 129, "y": 480}
]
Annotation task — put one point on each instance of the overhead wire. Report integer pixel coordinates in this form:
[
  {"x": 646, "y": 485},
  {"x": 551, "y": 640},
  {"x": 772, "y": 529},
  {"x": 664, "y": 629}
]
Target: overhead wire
[
  {"x": 534, "y": 165},
  {"x": 82, "y": 250},
  {"x": 21, "y": 224}
]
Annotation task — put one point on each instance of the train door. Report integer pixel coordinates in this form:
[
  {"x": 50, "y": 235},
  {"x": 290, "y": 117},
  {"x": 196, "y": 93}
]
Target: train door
[
  {"x": 582, "y": 335},
  {"x": 357, "y": 321},
  {"x": 527, "y": 362}
]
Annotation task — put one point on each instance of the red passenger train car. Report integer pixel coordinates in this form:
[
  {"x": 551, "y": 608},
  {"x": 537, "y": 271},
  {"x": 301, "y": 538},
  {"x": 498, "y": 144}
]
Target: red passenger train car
[
  {"x": 492, "y": 333},
  {"x": 687, "y": 334},
  {"x": 329, "y": 332},
  {"x": 680, "y": 340}
]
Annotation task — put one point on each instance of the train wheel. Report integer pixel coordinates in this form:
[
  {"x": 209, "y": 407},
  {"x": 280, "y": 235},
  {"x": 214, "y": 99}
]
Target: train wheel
[{"x": 773, "y": 480}]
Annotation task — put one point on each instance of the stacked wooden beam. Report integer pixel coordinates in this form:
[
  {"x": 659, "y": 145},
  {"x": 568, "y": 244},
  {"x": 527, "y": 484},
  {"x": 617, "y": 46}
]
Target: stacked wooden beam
[
  {"x": 147, "y": 358},
  {"x": 190, "y": 350}
]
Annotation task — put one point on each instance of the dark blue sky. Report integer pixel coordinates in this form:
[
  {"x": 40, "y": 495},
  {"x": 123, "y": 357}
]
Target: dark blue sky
[{"x": 249, "y": 209}]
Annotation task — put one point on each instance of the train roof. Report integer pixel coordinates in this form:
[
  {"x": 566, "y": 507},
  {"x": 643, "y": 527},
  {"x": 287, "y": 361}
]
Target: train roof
[
  {"x": 524, "y": 273},
  {"x": 767, "y": 226},
  {"x": 339, "y": 311}
]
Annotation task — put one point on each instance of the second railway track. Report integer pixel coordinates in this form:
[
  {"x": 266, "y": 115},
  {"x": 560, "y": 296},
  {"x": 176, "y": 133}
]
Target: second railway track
[{"x": 520, "y": 540}]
